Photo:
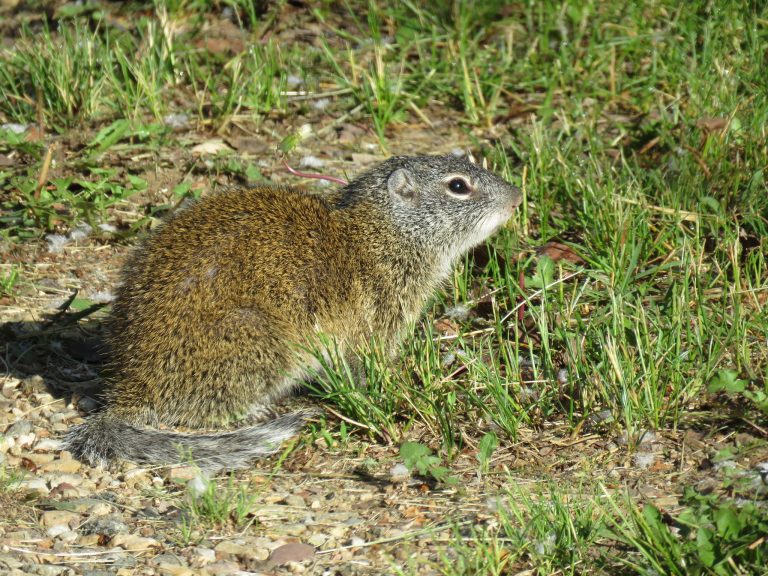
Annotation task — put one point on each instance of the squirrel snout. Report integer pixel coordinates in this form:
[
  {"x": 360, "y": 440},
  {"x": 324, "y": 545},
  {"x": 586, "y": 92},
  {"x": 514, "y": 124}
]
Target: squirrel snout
[{"x": 517, "y": 196}]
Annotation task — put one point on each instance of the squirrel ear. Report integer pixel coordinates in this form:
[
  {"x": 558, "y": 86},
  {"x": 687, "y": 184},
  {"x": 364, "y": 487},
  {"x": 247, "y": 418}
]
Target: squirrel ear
[{"x": 400, "y": 184}]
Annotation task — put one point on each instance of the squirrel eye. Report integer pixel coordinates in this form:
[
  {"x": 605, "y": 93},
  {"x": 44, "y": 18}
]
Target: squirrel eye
[{"x": 459, "y": 186}]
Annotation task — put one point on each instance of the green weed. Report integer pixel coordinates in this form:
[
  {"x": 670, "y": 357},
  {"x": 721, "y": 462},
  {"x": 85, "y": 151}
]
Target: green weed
[
  {"x": 542, "y": 530},
  {"x": 215, "y": 506},
  {"x": 419, "y": 458},
  {"x": 361, "y": 385},
  {"x": 60, "y": 75},
  {"x": 8, "y": 280},
  {"x": 709, "y": 536}
]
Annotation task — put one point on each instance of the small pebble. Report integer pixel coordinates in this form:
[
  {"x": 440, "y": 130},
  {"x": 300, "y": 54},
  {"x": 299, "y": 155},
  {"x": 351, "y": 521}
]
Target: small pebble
[
  {"x": 48, "y": 445},
  {"x": 80, "y": 232},
  {"x": 399, "y": 472},
  {"x": 198, "y": 485},
  {"x": 297, "y": 501},
  {"x": 20, "y": 428},
  {"x": 70, "y": 466},
  {"x": 59, "y": 517},
  {"x": 134, "y": 542},
  {"x": 56, "y": 243},
  {"x": 176, "y": 121},
  {"x": 68, "y": 537},
  {"x": 87, "y": 404},
  {"x": 317, "y": 540},
  {"x": 35, "y": 485},
  {"x": 57, "y": 529},
  {"x": 644, "y": 460},
  {"x": 311, "y": 162},
  {"x": 204, "y": 555},
  {"x": 105, "y": 525},
  {"x": 13, "y": 127},
  {"x": 230, "y": 548}
]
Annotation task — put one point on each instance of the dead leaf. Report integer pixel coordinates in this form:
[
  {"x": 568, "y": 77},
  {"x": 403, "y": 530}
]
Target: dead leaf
[
  {"x": 365, "y": 159},
  {"x": 712, "y": 124},
  {"x": 28, "y": 464},
  {"x": 558, "y": 251},
  {"x": 446, "y": 327},
  {"x": 349, "y": 133},
  {"x": 292, "y": 552},
  {"x": 60, "y": 488},
  {"x": 249, "y": 144},
  {"x": 210, "y": 147}
]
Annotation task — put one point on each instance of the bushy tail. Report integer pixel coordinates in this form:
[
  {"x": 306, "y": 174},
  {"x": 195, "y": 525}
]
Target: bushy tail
[{"x": 102, "y": 439}]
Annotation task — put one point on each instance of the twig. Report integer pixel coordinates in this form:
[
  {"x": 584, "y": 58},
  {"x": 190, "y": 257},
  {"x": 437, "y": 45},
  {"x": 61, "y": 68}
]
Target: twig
[
  {"x": 297, "y": 95},
  {"x": 350, "y": 421},
  {"x": 68, "y": 554},
  {"x": 43, "y": 178},
  {"x": 547, "y": 287},
  {"x": 314, "y": 175},
  {"x": 405, "y": 536},
  {"x": 684, "y": 214}
]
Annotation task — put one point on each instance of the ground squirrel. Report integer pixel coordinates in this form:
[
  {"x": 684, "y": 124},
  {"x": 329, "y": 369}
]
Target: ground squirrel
[{"x": 217, "y": 308}]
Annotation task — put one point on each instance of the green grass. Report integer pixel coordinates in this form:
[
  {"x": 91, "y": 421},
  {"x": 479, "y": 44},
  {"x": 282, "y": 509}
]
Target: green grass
[
  {"x": 214, "y": 507},
  {"x": 709, "y": 536},
  {"x": 639, "y": 133}
]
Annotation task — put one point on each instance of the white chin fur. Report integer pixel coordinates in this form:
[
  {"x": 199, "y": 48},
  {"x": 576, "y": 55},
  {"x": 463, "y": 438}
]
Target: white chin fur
[{"x": 484, "y": 229}]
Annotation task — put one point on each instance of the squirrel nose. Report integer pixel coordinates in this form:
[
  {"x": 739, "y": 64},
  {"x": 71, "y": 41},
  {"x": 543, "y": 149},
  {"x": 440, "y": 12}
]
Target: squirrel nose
[{"x": 517, "y": 196}]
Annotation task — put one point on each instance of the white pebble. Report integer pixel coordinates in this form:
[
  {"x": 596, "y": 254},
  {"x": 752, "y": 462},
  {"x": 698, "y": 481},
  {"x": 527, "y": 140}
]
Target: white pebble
[
  {"x": 176, "y": 121},
  {"x": 80, "y": 232},
  {"x": 311, "y": 162},
  {"x": 15, "y": 128},
  {"x": 54, "y": 531},
  {"x": 102, "y": 297},
  {"x": 644, "y": 460},
  {"x": 48, "y": 445},
  {"x": 399, "y": 471},
  {"x": 56, "y": 243},
  {"x": 198, "y": 485}
]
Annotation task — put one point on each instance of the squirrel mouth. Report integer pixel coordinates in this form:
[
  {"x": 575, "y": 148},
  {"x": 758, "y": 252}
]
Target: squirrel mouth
[{"x": 517, "y": 197}]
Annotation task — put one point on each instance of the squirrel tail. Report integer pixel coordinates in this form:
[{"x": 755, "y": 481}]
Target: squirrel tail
[{"x": 102, "y": 438}]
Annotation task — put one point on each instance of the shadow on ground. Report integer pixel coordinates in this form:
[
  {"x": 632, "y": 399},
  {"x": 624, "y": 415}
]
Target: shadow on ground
[{"x": 63, "y": 352}]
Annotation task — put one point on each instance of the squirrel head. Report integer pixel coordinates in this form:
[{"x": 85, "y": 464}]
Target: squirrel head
[{"x": 445, "y": 205}]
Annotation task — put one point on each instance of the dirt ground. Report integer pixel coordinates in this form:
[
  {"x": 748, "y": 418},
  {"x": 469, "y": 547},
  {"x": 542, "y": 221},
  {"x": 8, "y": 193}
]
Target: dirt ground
[
  {"x": 63, "y": 517},
  {"x": 316, "y": 509}
]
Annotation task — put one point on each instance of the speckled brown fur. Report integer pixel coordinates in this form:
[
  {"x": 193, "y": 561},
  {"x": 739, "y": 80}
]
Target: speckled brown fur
[{"x": 217, "y": 308}]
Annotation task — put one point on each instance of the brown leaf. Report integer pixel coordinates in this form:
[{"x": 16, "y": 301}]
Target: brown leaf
[
  {"x": 292, "y": 552},
  {"x": 712, "y": 124},
  {"x": 34, "y": 134},
  {"x": 28, "y": 464},
  {"x": 210, "y": 147},
  {"x": 446, "y": 327},
  {"x": 558, "y": 251},
  {"x": 349, "y": 133},
  {"x": 60, "y": 488},
  {"x": 249, "y": 144}
]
